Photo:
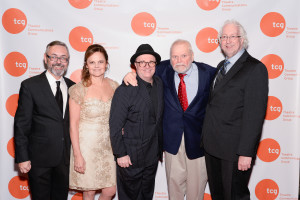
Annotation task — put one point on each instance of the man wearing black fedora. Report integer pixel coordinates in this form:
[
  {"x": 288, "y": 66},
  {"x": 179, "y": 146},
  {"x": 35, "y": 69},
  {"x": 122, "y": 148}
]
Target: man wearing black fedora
[{"x": 136, "y": 128}]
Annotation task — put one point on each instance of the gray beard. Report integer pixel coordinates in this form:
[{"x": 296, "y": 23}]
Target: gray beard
[{"x": 57, "y": 72}]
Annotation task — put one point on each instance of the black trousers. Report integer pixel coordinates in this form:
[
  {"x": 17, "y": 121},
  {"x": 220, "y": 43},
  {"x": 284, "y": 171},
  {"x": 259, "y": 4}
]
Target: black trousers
[
  {"x": 49, "y": 183},
  {"x": 136, "y": 183},
  {"x": 225, "y": 181}
]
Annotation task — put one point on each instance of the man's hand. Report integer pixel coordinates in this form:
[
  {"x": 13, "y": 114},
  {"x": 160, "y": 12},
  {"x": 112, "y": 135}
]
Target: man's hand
[
  {"x": 130, "y": 78},
  {"x": 124, "y": 161},
  {"x": 24, "y": 166},
  {"x": 79, "y": 164},
  {"x": 244, "y": 163}
]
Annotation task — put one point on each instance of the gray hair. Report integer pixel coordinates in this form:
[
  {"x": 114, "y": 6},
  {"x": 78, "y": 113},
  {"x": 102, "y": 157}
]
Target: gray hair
[
  {"x": 56, "y": 42},
  {"x": 181, "y": 41},
  {"x": 241, "y": 30}
]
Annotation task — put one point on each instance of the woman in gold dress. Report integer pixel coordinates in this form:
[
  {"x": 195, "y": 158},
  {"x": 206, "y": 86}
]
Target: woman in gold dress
[{"x": 92, "y": 165}]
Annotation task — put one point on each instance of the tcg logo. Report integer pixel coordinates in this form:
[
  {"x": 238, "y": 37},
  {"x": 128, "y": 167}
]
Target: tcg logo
[
  {"x": 272, "y": 24},
  {"x": 14, "y": 20},
  {"x": 143, "y": 24},
  {"x": 268, "y": 150},
  {"x": 267, "y": 189},
  {"x": 207, "y": 40}
]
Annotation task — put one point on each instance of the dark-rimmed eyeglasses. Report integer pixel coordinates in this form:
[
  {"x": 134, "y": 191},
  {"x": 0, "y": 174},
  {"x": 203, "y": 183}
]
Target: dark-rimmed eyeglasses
[
  {"x": 144, "y": 64},
  {"x": 56, "y": 58}
]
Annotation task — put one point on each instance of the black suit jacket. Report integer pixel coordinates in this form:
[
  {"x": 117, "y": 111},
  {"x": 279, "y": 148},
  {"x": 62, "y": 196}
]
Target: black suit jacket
[
  {"x": 39, "y": 128},
  {"x": 236, "y": 110},
  {"x": 142, "y": 136}
]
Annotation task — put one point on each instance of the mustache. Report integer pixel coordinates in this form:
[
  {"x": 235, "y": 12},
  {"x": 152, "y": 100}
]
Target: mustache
[
  {"x": 56, "y": 64},
  {"x": 180, "y": 64}
]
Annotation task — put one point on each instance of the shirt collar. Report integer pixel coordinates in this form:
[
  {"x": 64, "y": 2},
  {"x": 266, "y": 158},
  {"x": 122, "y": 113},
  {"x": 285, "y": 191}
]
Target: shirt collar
[
  {"x": 234, "y": 58},
  {"x": 51, "y": 79},
  {"x": 188, "y": 73},
  {"x": 147, "y": 84}
]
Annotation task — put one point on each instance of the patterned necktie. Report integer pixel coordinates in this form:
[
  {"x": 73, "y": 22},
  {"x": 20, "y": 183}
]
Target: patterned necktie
[
  {"x": 182, "y": 96},
  {"x": 221, "y": 73},
  {"x": 58, "y": 96}
]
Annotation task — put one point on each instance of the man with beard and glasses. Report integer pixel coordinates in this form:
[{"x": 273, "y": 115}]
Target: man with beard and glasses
[
  {"x": 186, "y": 90},
  {"x": 41, "y": 127}
]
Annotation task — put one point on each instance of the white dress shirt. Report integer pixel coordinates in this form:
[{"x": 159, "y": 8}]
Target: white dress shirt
[{"x": 63, "y": 88}]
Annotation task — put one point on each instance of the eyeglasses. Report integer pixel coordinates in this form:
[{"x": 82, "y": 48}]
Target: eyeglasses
[
  {"x": 232, "y": 37},
  {"x": 144, "y": 64},
  {"x": 55, "y": 58}
]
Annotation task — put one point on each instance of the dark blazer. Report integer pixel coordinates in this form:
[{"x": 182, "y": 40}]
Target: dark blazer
[
  {"x": 39, "y": 127},
  {"x": 142, "y": 138},
  {"x": 175, "y": 121},
  {"x": 236, "y": 110}
]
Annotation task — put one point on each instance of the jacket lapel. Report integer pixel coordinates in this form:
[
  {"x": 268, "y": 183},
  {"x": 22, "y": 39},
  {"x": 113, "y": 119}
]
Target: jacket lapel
[
  {"x": 160, "y": 96},
  {"x": 234, "y": 70},
  {"x": 47, "y": 92},
  {"x": 171, "y": 85},
  {"x": 68, "y": 96}
]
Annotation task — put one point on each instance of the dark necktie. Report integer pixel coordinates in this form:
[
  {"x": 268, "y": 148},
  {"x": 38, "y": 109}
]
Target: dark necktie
[
  {"x": 59, "y": 100},
  {"x": 59, "y": 97},
  {"x": 221, "y": 73},
  {"x": 182, "y": 96}
]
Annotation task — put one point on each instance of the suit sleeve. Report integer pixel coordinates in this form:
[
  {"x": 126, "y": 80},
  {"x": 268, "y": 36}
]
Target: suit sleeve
[
  {"x": 22, "y": 124},
  {"x": 255, "y": 105},
  {"x": 117, "y": 120}
]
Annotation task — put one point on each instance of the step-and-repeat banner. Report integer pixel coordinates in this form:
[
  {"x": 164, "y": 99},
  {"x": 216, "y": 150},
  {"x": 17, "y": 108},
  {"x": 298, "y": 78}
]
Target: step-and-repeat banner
[{"x": 121, "y": 26}]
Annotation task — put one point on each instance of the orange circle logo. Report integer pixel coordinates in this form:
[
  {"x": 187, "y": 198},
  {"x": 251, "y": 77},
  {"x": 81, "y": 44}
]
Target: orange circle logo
[
  {"x": 274, "y": 65},
  {"x": 143, "y": 24},
  {"x": 15, "y": 64},
  {"x": 76, "y": 76},
  {"x": 11, "y": 147},
  {"x": 207, "y": 40},
  {"x": 207, "y": 197},
  {"x": 77, "y": 196},
  {"x": 267, "y": 189},
  {"x": 268, "y": 150},
  {"x": 208, "y": 4},
  {"x": 18, "y": 187},
  {"x": 272, "y": 24},
  {"x": 14, "y": 20},
  {"x": 80, "y": 4},
  {"x": 12, "y": 104},
  {"x": 80, "y": 38},
  {"x": 274, "y": 108}
]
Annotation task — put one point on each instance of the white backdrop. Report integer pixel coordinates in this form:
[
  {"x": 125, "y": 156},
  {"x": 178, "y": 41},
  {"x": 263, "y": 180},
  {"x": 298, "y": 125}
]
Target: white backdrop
[{"x": 121, "y": 26}]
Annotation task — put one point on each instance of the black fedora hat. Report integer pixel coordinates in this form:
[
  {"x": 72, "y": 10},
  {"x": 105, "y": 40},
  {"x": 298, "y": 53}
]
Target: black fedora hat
[{"x": 145, "y": 49}]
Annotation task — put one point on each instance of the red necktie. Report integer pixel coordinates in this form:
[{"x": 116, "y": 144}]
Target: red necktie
[{"x": 182, "y": 93}]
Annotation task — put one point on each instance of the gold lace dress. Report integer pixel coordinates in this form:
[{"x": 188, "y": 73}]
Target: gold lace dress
[{"x": 94, "y": 141}]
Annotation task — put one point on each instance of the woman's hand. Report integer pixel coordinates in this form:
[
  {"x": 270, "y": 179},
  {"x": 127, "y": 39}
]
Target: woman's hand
[{"x": 79, "y": 164}]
